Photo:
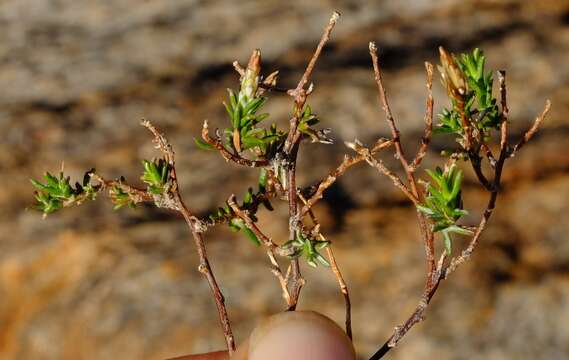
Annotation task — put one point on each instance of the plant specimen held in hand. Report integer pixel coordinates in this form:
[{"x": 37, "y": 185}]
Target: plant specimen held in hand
[{"x": 475, "y": 118}]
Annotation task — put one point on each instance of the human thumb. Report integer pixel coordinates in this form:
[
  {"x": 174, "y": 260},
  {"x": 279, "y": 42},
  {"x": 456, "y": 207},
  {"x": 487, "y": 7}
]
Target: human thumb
[{"x": 299, "y": 335}]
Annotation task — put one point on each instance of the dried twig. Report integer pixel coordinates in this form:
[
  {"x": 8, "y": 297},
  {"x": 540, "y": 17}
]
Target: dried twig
[
  {"x": 380, "y": 166},
  {"x": 269, "y": 244},
  {"x": 193, "y": 223},
  {"x": 346, "y": 163},
  {"x": 426, "y": 139},
  {"x": 291, "y": 149},
  {"x": 335, "y": 269},
  {"x": 343, "y": 289},
  {"x": 399, "y": 153},
  {"x": 531, "y": 132}
]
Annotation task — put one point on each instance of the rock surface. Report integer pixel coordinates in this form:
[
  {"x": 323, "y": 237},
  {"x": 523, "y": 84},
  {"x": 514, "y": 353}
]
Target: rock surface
[{"x": 87, "y": 283}]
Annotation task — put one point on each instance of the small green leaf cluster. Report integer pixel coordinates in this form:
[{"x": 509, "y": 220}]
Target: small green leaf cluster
[
  {"x": 156, "y": 175},
  {"x": 305, "y": 246},
  {"x": 443, "y": 202},
  {"x": 477, "y": 102},
  {"x": 57, "y": 192},
  {"x": 244, "y": 115},
  {"x": 309, "y": 119},
  {"x": 121, "y": 198},
  {"x": 237, "y": 224}
]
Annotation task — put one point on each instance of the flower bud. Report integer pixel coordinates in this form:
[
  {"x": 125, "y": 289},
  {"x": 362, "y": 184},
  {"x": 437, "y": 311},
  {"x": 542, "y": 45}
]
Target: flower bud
[
  {"x": 250, "y": 80},
  {"x": 452, "y": 76}
]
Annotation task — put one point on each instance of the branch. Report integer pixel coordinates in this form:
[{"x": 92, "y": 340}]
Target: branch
[
  {"x": 343, "y": 288},
  {"x": 196, "y": 229},
  {"x": 335, "y": 269},
  {"x": 531, "y": 132},
  {"x": 505, "y": 110},
  {"x": 310, "y": 67},
  {"x": 135, "y": 194},
  {"x": 417, "y": 316},
  {"x": 426, "y": 139},
  {"x": 229, "y": 156},
  {"x": 346, "y": 163},
  {"x": 269, "y": 244},
  {"x": 380, "y": 166},
  {"x": 426, "y": 232},
  {"x": 290, "y": 151}
]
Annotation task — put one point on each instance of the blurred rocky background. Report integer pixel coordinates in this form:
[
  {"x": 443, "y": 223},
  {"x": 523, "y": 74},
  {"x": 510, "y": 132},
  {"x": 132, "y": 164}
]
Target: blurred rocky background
[{"x": 76, "y": 77}]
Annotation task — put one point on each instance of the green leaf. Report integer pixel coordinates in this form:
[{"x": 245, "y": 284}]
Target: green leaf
[
  {"x": 448, "y": 242},
  {"x": 425, "y": 209},
  {"x": 263, "y": 176},
  {"x": 203, "y": 145},
  {"x": 236, "y": 224},
  {"x": 156, "y": 175},
  {"x": 322, "y": 244},
  {"x": 459, "y": 230},
  {"x": 248, "y": 198},
  {"x": 251, "y": 236},
  {"x": 312, "y": 263},
  {"x": 322, "y": 260},
  {"x": 457, "y": 181}
]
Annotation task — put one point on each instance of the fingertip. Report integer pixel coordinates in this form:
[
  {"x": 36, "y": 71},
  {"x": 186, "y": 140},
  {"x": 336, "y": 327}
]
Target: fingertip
[{"x": 300, "y": 335}]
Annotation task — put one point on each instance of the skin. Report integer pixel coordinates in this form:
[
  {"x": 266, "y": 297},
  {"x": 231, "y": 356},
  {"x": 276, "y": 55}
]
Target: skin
[{"x": 300, "y": 335}]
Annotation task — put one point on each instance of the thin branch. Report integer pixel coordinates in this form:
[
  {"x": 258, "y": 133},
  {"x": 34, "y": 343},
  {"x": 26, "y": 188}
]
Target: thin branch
[
  {"x": 505, "y": 112},
  {"x": 335, "y": 269},
  {"x": 426, "y": 232},
  {"x": 135, "y": 194},
  {"x": 240, "y": 69},
  {"x": 386, "y": 108},
  {"x": 343, "y": 289},
  {"x": 290, "y": 150},
  {"x": 269, "y": 244},
  {"x": 195, "y": 227},
  {"x": 323, "y": 40},
  {"x": 531, "y": 132},
  {"x": 426, "y": 139},
  {"x": 476, "y": 163},
  {"x": 346, "y": 163},
  {"x": 380, "y": 166},
  {"x": 227, "y": 155},
  {"x": 493, "y": 187},
  {"x": 488, "y": 153}
]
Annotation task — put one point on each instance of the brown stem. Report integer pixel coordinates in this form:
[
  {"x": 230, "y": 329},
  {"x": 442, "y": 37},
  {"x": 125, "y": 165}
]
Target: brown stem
[
  {"x": 323, "y": 40},
  {"x": 196, "y": 229},
  {"x": 380, "y": 166},
  {"x": 488, "y": 153},
  {"x": 426, "y": 139},
  {"x": 335, "y": 269},
  {"x": 343, "y": 289},
  {"x": 269, "y": 244},
  {"x": 135, "y": 194},
  {"x": 346, "y": 163},
  {"x": 505, "y": 109},
  {"x": 205, "y": 268},
  {"x": 531, "y": 132},
  {"x": 297, "y": 279},
  {"x": 227, "y": 155},
  {"x": 291, "y": 150},
  {"x": 426, "y": 232}
]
